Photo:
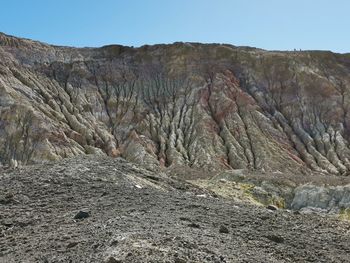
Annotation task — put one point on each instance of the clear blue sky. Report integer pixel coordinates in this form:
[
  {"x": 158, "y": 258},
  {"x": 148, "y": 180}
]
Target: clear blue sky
[{"x": 269, "y": 24}]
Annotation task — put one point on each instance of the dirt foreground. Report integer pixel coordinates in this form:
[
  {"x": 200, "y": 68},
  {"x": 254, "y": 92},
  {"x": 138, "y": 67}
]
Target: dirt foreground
[{"x": 128, "y": 214}]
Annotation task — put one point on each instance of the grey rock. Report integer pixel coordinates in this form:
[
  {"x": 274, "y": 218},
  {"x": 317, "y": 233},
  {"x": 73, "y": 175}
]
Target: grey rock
[{"x": 326, "y": 198}]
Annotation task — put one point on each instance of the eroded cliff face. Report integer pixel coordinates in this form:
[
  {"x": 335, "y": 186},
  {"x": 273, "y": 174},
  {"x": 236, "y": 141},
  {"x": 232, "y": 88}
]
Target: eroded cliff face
[{"x": 211, "y": 107}]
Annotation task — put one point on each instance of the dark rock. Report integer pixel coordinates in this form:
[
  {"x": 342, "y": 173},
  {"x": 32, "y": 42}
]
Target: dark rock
[
  {"x": 275, "y": 238},
  {"x": 82, "y": 215},
  {"x": 72, "y": 244},
  {"x": 272, "y": 207},
  {"x": 179, "y": 260},
  {"x": 223, "y": 229},
  {"x": 114, "y": 243},
  {"x": 152, "y": 177},
  {"x": 96, "y": 246},
  {"x": 264, "y": 217},
  {"x": 113, "y": 260},
  {"x": 24, "y": 223},
  {"x": 104, "y": 194},
  {"x": 7, "y": 224},
  {"x": 194, "y": 225},
  {"x": 7, "y": 199},
  {"x": 222, "y": 259}
]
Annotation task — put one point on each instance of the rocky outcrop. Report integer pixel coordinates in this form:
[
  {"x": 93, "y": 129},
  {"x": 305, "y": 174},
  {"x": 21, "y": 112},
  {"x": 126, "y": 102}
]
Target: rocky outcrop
[
  {"x": 210, "y": 107},
  {"x": 315, "y": 193},
  {"x": 327, "y": 199}
]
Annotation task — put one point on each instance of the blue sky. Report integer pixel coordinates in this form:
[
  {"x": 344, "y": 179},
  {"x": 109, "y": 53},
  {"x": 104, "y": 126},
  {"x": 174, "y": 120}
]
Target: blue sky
[{"x": 269, "y": 24}]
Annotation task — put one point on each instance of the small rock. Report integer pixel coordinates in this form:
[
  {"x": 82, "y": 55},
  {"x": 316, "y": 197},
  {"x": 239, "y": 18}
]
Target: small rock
[
  {"x": 222, "y": 259},
  {"x": 138, "y": 186},
  {"x": 114, "y": 243},
  {"x": 272, "y": 207},
  {"x": 113, "y": 260},
  {"x": 9, "y": 196},
  {"x": 275, "y": 238},
  {"x": 7, "y": 224},
  {"x": 179, "y": 260},
  {"x": 5, "y": 201},
  {"x": 264, "y": 217},
  {"x": 82, "y": 215},
  {"x": 223, "y": 229},
  {"x": 8, "y": 199},
  {"x": 194, "y": 225},
  {"x": 72, "y": 244},
  {"x": 96, "y": 246}
]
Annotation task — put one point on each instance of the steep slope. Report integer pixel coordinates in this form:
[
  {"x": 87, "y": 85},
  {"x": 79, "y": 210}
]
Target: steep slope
[{"x": 209, "y": 107}]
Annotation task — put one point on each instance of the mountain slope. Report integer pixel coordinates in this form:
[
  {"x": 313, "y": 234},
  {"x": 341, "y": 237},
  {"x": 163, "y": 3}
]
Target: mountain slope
[{"x": 210, "y": 107}]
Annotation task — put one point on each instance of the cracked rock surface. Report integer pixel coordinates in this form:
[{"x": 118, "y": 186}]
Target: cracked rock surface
[
  {"x": 135, "y": 215},
  {"x": 211, "y": 107}
]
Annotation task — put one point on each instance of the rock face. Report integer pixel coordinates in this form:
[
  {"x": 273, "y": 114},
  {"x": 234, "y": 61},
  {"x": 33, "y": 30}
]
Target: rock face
[
  {"x": 211, "y": 107},
  {"x": 324, "y": 198}
]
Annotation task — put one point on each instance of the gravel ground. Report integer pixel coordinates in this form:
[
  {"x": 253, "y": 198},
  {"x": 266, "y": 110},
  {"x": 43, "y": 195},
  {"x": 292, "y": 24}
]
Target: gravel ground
[{"x": 133, "y": 215}]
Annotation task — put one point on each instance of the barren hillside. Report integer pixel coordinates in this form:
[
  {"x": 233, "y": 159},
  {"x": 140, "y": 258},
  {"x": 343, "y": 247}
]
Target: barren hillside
[
  {"x": 173, "y": 153},
  {"x": 203, "y": 106}
]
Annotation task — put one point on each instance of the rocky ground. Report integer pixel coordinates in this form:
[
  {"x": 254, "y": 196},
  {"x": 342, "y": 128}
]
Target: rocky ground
[{"x": 129, "y": 214}]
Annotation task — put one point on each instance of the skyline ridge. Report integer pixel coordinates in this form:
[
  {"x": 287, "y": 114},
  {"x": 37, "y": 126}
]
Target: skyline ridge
[{"x": 172, "y": 43}]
